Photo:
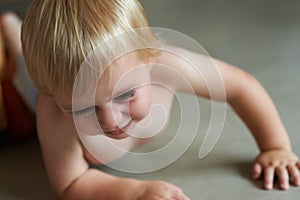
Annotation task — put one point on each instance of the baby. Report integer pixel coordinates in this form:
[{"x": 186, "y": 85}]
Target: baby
[{"x": 95, "y": 79}]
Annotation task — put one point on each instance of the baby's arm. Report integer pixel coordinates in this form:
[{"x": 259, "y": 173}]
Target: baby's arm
[
  {"x": 69, "y": 172},
  {"x": 252, "y": 103}
]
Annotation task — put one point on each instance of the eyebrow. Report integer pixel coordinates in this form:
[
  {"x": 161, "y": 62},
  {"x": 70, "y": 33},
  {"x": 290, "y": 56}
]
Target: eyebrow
[
  {"x": 120, "y": 93},
  {"x": 69, "y": 108},
  {"x": 121, "y": 90},
  {"x": 135, "y": 85}
]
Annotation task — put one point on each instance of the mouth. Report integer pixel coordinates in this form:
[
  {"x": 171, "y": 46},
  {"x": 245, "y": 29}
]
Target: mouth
[{"x": 118, "y": 133}]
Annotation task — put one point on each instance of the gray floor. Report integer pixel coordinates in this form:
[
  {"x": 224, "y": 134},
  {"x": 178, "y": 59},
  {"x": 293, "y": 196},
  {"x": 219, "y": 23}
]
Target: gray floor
[{"x": 262, "y": 37}]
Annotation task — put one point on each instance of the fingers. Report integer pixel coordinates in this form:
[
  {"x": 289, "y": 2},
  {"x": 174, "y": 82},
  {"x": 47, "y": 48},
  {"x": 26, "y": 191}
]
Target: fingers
[
  {"x": 295, "y": 174},
  {"x": 269, "y": 178},
  {"x": 298, "y": 165},
  {"x": 280, "y": 164},
  {"x": 161, "y": 190},
  {"x": 179, "y": 195},
  {"x": 283, "y": 174},
  {"x": 256, "y": 171},
  {"x": 283, "y": 177}
]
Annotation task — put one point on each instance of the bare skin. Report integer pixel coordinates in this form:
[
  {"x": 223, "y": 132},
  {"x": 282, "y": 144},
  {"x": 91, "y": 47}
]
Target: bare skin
[
  {"x": 67, "y": 161},
  {"x": 242, "y": 92},
  {"x": 254, "y": 106}
]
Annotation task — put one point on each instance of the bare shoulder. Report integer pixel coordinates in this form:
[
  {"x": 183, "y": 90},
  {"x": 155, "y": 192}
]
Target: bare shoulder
[
  {"x": 54, "y": 130},
  {"x": 51, "y": 119},
  {"x": 176, "y": 66},
  {"x": 173, "y": 54},
  {"x": 62, "y": 151},
  {"x": 204, "y": 76}
]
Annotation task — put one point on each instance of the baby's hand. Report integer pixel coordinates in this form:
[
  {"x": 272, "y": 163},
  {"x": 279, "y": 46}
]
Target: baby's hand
[
  {"x": 280, "y": 163},
  {"x": 160, "y": 190}
]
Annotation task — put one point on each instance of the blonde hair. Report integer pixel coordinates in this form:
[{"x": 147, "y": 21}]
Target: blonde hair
[{"x": 58, "y": 35}]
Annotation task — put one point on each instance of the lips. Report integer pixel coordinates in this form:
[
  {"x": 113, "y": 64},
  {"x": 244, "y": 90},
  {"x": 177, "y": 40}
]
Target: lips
[{"x": 118, "y": 133}]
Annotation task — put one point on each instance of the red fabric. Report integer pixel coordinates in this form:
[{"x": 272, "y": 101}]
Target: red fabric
[{"x": 20, "y": 120}]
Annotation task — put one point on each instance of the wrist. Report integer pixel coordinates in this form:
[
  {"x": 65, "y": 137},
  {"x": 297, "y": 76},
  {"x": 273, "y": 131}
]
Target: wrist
[
  {"x": 276, "y": 148},
  {"x": 280, "y": 142}
]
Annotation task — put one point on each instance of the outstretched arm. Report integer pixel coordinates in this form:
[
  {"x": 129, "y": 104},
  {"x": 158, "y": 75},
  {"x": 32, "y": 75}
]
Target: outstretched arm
[{"x": 253, "y": 105}]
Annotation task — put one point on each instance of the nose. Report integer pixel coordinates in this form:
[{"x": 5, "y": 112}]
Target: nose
[{"x": 109, "y": 118}]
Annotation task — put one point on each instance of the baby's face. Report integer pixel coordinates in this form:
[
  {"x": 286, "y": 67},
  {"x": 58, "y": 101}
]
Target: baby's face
[{"x": 122, "y": 99}]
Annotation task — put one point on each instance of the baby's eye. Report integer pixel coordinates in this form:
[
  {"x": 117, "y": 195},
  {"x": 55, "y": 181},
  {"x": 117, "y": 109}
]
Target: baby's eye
[
  {"x": 84, "y": 111},
  {"x": 126, "y": 96}
]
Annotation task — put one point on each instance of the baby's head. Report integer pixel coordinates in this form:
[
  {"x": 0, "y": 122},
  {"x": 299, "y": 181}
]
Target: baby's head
[
  {"x": 58, "y": 35},
  {"x": 60, "y": 38}
]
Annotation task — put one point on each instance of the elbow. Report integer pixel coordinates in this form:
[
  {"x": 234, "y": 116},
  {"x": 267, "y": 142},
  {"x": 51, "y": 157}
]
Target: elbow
[
  {"x": 243, "y": 86},
  {"x": 63, "y": 193},
  {"x": 70, "y": 191}
]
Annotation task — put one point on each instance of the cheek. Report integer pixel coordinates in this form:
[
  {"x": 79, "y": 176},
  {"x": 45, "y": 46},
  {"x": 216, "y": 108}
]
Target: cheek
[{"x": 140, "y": 107}]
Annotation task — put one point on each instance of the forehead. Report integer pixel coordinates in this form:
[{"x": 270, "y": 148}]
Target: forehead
[
  {"x": 123, "y": 73},
  {"x": 123, "y": 65}
]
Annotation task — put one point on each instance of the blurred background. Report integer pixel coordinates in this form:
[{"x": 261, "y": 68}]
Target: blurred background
[
  {"x": 259, "y": 36},
  {"x": 18, "y": 6}
]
